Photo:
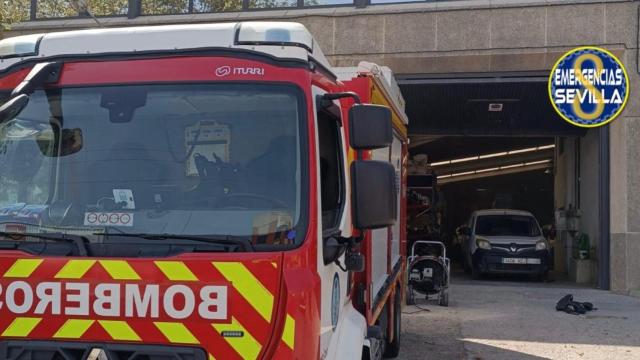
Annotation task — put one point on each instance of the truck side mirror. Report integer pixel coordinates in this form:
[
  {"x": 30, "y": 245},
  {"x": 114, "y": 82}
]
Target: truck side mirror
[
  {"x": 370, "y": 127},
  {"x": 464, "y": 230},
  {"x": 374, "y": 194},
  {"x": 332, "y": 249}
]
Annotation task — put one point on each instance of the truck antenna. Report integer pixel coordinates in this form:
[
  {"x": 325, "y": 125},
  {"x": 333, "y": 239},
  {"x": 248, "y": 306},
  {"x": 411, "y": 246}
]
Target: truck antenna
[{"x": 82, "y": 7}]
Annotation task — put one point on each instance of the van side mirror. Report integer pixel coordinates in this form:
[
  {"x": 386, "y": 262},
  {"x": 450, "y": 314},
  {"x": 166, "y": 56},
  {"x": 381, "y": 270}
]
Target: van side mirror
[
  {"x": 464, "y": 230},
  {"x": 373, "y": 194},
  {"x": 370, "y": 127}
]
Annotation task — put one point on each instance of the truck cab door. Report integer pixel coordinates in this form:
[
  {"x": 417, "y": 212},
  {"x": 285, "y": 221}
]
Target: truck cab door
[{"x": 338, "y": 317}]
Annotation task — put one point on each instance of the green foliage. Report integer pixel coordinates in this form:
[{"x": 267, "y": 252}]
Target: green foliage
[
  {"x": 108, "y": 7},
  {"x": 165, "y": 6},
  {"x": 72, "y": 8},
  {"x": 13, "y": 11},
  {"x": 217, "y": 5},
  {"x": 55, "y": 9}
]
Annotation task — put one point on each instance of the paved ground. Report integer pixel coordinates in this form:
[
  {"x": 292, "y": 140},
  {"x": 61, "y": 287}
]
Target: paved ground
[{"x": 516, "y": 319}]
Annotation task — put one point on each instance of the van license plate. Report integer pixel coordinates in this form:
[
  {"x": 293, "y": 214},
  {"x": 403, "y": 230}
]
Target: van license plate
[{"x": 514, "y": 261}]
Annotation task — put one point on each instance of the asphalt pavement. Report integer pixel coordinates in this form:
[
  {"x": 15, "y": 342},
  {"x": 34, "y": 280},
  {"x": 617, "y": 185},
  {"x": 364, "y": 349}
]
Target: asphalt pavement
[{"x": 514, "y": 318}]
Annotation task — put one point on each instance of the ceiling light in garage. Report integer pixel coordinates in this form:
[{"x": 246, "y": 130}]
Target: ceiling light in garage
[
  {"x": 538, "y": 162},
  {"x": 505, "y": 167},
  {"x": 463, "y": 159},
  {"x": 489, "y": 169},
  {"x": 511, "y": 166},
  {"x": 486, "y": 156},
  {"x": 495, "y": 107},
  {"x": 523, "y": 150},
  {"x": 493, "y": 155}
]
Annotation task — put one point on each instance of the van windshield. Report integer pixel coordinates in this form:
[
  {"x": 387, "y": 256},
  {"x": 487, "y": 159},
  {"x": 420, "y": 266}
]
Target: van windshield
[
  {"x": 507, "y": 225},
  {"x": 157, "y": 159}
]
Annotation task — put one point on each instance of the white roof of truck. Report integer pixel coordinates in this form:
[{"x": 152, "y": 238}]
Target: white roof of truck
[
  {"x": 383, "y": 76},
  {"x": 280, "y": 40}
]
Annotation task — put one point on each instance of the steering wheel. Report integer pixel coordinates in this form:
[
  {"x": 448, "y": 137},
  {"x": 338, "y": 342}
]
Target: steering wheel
[{"x": 279, "y": 203}]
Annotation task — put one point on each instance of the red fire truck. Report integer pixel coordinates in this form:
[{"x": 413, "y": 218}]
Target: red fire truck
[{"x": 197, "y": 192}]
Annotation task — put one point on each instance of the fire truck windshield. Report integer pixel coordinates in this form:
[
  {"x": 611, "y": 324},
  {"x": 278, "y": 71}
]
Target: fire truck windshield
[{"x": 187, "y": 159}]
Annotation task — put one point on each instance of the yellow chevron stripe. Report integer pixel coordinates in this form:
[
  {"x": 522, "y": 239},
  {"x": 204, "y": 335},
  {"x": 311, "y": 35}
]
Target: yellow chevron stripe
[
  {"x": 75, "y": 269},
  {"x": 176, "y": 332},
  {"x": 73, "y": 328},
  {"x": 247, "y": 346},
  {"x": 176, "y": 271},
  {"x": 211, "y": 357},
  {"x": 21, "y": 327},
  {"x": 23, "y": 268},
  {"x": 119, "y": 270},
  {"x": 289, "y": 332},
  {"x": 248, "y": 286},
  {"x": 119, "y": 330}
]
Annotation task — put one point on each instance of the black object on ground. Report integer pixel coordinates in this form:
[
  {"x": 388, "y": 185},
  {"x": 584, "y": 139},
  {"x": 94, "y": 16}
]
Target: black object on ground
[{"x": 569, "y": 306}]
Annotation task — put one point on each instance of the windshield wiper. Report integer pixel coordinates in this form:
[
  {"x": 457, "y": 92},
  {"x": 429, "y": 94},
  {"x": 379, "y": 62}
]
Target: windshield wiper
[
  {"x": 212, "y": 239},
  {"x": 78, "y": 240}
]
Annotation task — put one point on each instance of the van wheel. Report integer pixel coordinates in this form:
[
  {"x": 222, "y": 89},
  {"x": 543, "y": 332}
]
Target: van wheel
[
  {"x": 467, "y": 268},
  {"x": 393, "y": 348},
  {"x": 475, "y": 273},
  {"x": 543, "y": 277},
  {"x": 444, "y": 298},
  {"x": 410, "y": 296}
]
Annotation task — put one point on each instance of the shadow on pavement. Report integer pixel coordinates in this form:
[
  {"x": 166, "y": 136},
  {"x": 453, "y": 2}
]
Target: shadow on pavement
[{"x": 433, "y": 332}]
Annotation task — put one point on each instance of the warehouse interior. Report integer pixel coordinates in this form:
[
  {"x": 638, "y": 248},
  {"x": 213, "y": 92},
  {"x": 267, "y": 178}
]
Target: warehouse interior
[{"x": 482, "y": 142}]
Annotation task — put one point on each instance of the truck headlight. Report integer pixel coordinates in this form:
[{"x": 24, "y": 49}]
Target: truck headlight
[
  {"x": 483, "y": 243},
  {"x": 541, "y": 245}
]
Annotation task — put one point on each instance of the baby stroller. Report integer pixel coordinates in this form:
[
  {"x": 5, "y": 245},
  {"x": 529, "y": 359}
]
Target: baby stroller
[{"x": 428, "y": 271}]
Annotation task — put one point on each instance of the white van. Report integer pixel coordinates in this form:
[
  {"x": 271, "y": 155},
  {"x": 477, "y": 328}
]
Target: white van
[{"x": 504, "y": 241}]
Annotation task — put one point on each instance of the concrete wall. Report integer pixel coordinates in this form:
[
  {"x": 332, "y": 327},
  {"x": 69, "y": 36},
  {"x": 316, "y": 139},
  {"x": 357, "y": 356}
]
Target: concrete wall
[
  {"x": 589, "y": 182},
  {"x": 436, "y": 37},
  {"x": 577, "y": 187},
  {"x": 476, "y": 36},
  {"x": 563, "y": 198}
]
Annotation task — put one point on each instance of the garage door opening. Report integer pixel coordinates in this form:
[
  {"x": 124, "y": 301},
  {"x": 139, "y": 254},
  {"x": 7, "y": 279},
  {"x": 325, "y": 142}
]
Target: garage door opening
[{"x": 496, "y": 143}]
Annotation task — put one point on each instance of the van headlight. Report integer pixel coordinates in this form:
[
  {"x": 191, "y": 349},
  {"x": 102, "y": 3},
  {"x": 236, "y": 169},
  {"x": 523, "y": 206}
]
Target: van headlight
[
  {"x": 541, "y": 245},
  {"x": 483, "y": 243}
]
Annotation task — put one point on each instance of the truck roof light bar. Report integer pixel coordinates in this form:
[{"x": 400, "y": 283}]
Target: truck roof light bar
[
  {"x": 269, "y": 33},
  {"x": 19, "y": 46}
]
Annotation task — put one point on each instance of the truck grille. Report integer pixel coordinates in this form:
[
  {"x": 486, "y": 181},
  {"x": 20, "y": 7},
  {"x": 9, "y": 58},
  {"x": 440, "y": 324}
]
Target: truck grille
[{"x": 50, "y": 350}]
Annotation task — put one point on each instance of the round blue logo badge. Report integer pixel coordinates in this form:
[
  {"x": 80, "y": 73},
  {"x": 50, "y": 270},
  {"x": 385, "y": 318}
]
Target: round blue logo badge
[{"x": 588, "y": 86}]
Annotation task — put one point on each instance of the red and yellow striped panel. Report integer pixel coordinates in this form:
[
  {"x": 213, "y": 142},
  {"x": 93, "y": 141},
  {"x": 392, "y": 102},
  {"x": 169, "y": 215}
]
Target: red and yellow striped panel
[{"x": 251, "y": 285}]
